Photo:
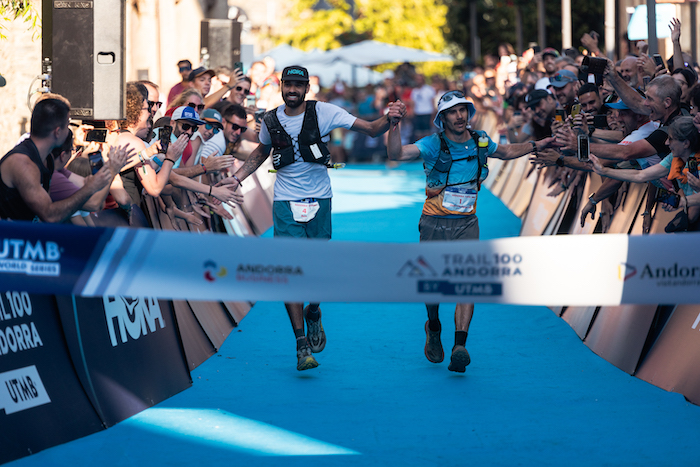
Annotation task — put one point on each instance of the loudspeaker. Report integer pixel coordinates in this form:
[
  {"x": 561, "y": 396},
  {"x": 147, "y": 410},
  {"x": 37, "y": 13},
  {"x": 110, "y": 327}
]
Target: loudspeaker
[
  {"x": 83, "y": 51},
  {"x": 221, "y": 40}
]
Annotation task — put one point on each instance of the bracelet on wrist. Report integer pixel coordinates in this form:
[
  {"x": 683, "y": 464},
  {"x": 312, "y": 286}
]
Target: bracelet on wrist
[
  {"x": 204, "y": 167},
  {"x": 534, "y": 147},
  {"x": 240, "y": 183},
  {"x": 210, "y": 187},
  {"x": 590, "y": 198},
  {"x": 168, "y": 159}
]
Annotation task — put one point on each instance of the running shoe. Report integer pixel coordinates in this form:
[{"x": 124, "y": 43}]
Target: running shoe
[
  {"x": 305, "y": 359},
  {"x": 315, "y": 334},
  {"x": 459, "y": 360},
  {"x": 433, "y": 346}
]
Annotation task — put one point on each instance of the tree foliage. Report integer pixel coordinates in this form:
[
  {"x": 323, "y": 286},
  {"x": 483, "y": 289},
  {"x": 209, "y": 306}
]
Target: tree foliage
[
  {"x": 334, "y": 23},
  {"x": 11, "y": 10},
  {"x": 496, "y": 22}
]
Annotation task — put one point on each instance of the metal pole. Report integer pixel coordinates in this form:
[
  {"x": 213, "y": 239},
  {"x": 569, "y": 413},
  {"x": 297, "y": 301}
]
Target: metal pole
[
  {"x": 610, "y": 32},
  {"x": 651, "y": 27},
  {"x": 476, "y": 45},
  {"x": 566, "y": 24},
  {"x": 541, "y": 33},
  {"x": 518, "y": 30},
  {"x": 693, "y": 29}
]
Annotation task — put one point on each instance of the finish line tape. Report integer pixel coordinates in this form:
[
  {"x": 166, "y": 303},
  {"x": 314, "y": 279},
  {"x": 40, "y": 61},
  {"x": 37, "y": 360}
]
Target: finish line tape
[{"x": 577, "y": 270}]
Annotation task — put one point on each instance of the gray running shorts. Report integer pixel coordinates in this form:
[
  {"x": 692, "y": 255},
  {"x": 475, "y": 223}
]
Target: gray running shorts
[{"x": 433, "y": 228}]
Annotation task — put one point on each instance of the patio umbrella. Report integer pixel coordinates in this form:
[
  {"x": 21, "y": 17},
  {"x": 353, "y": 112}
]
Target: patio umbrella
[{"x": 370, "y": 53}]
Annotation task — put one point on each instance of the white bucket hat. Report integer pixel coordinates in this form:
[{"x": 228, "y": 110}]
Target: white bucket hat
[{"x": 449, "y": 100}]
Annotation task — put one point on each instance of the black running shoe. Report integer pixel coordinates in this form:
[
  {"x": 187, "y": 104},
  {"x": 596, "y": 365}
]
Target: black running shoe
[
  {"x": 315, "y": 334},
  {"x": 433, "y": 345},
  {"x": 459, "y": 360}
]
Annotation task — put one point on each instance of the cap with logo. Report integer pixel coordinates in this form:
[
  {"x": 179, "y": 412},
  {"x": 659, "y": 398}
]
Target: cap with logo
[
  {"x": 619, "y": 105},
  {"x": 295, "y": 73},
  {"x": 199, "y": 72},
  {"x": 213, "y": 117},
  {"x": 550, "y": 51},
  {"x": 562, "y": 77},
  {"x": 449, "y": 100},
  {"x": 186, "y": 113},
  {"x": 534, "y": 98}
]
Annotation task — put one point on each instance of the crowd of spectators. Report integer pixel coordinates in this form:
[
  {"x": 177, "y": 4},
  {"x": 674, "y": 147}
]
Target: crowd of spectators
[{"x": 627, "y": 110}]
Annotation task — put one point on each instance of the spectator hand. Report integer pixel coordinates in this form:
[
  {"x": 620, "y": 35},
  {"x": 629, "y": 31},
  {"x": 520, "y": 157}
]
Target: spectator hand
[
  {"x": 597, "y": 165},
  {"x": 216, "y": 164},
  {"x": 643, "y": 47},
  {"x": 675, "y": 27},
  {"x": 226, "y": 194},
  {"x": 694, "y": 182},
  {"x": 118, "y": 156},
  {"x": 175, "y": 149},
  {"x": 589, "y": 208},
  {"x": 101, "y": 179},
  {"x": 545, "y": 158}
]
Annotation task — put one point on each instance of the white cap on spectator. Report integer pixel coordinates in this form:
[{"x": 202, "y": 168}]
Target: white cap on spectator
[{"x": 543, "y": 84}]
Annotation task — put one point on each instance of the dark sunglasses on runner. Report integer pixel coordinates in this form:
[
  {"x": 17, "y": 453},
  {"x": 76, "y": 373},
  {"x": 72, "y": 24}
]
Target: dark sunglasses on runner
[
  {"x": 199, "y": 107},
  {"x": 237, "y": 127}
]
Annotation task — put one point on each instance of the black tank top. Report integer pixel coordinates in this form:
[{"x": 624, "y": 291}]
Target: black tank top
[{"x": 12, "y": 206}]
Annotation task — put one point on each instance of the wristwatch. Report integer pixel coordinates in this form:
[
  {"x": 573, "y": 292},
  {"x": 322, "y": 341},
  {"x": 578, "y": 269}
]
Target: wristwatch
[
  {"x": 560, "y": 161},
  {"x": 590, "y": 198}
]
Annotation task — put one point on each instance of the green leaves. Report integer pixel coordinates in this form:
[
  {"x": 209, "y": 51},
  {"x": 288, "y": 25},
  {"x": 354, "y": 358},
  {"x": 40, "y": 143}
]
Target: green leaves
[{"x": 24, "y": 10}]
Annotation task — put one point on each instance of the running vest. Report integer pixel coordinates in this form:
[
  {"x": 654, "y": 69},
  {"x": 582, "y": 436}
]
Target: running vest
[
  {"x": 311, "y": 147},
  {"x": 439, "y": 176},
  {"x": 12, "y": 206}
]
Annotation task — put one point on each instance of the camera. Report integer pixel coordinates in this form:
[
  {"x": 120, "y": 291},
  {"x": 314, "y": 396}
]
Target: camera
[
  {"x": 583, "y": 148},
  {"x": 593, "y": 66}
]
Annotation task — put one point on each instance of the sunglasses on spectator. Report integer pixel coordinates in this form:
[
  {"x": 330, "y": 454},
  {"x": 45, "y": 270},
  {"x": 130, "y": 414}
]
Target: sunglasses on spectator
[
  {"x": 151, "y": 104},
  {"x": 188, "y": 127},
  {"x": 241, "y": 88},
  {"x": 209, "y": 126},
  {"x": 237, "y": 127},
  {"x": 185, "y": 68},
  {"x": 199, "y": 107},
  {"x": 558, "y": 77},
  {"x": 447, "y": 97}
]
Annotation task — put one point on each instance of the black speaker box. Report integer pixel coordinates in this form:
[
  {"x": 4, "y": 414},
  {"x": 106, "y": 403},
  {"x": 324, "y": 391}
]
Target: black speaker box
[
  {"x": 83, "y": 50},
  {"x": 222, "y": 40}
]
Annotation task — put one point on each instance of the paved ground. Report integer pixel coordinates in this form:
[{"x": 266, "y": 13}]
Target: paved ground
[{"x": 533, "y": 395}]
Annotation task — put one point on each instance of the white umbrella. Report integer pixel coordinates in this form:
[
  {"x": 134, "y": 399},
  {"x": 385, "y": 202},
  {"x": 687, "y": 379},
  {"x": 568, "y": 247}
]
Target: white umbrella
[{"x": 369, "y": 53}]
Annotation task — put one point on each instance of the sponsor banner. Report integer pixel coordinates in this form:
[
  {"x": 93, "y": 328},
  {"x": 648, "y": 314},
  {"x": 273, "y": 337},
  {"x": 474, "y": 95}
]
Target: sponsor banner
[
  {"x": 127, "y": 352},
  {"x": 592, "y": 270},
  {"x": 46, "y": 258},
  {"x": 662, "y": 269},
  {"x": 531, "y": 270},
  {"x": 42, "y": 403}
]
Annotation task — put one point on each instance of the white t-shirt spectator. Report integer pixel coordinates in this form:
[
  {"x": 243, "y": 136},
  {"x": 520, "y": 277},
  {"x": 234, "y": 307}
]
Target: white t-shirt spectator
[
  {"x": 216, "y": 143},
  {"x": 306, "y": 179},
  {"x": 423, "y": 100}
]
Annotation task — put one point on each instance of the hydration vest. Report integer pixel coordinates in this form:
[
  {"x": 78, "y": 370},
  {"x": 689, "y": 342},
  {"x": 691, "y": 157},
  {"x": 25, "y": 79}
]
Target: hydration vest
[
  {"x": 438, "y": 178},
  {"x": 311, "y": 147}
]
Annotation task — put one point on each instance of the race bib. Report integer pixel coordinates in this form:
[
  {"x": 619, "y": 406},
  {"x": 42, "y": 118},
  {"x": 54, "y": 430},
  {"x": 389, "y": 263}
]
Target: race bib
[
  {"x": 459, "y": 199},
  {"x": 304, "y": 211}
]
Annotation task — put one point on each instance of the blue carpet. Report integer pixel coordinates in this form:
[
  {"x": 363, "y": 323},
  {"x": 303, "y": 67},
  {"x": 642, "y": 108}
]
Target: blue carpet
[{"x": 533, "y": 395}]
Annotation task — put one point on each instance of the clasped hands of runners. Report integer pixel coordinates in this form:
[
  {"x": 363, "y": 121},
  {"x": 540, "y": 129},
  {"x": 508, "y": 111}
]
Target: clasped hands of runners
[{"x": 397, "y": 110}]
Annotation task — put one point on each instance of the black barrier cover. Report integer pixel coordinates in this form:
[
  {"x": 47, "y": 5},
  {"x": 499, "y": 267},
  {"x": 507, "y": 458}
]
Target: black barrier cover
[
  {"x": 42, "y": 403},
  {"x": 129, "y": 352},
  {"x": 55, "y": 255}
]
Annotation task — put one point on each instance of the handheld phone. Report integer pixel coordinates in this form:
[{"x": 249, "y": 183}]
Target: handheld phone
[
  {"x": 658, "y": 60},
  {"x": 537, "y": 49},
  {"x": 250, "y": 100},
  {"x": 238, "y": 66},
  {"x": 575, "y": 109},
  {"x": 560, "y": 115},
  {"x": 96, "y": 161},
  {"x": 600, "y": 121},
  {"x": 165, "y": 133},
  {"x": 98, "y": 134},
  {"x": 259, "y": 115},
  {"x": 583, "y": 148},
  {"x": 693, "y": 167},
  {"x": 667, "y": 197}
]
